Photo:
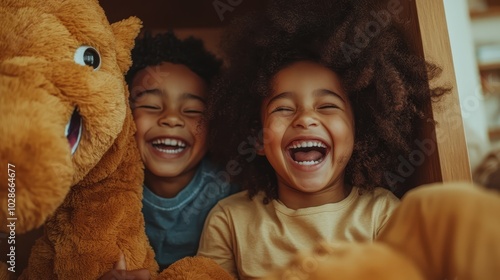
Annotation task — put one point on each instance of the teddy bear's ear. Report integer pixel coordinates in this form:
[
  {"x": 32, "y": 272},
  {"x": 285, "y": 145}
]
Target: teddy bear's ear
[{"x": 125, "y": 32}]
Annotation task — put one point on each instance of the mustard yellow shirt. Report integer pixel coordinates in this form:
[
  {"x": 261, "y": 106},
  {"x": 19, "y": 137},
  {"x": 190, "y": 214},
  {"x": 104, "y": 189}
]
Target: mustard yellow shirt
[{"x": 249, "y": 239}]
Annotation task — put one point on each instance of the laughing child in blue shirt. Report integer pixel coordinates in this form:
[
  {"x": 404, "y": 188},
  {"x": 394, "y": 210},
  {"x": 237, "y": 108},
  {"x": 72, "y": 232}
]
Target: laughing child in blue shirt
[{"x": 169, "y": 82}]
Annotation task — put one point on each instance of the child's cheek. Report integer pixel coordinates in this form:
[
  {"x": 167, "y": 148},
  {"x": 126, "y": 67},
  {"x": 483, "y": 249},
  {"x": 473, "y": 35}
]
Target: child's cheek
[
  {"x": 272, "y": 134},
  {"x": 140, "y": 122}
]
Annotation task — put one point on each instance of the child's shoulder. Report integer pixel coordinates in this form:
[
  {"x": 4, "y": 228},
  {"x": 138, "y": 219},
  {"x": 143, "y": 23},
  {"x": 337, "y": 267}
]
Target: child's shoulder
[
  {"x": 377, "y": 192},
  {"x": 239, "y": 198},
  {"x": 376, "y": 196},
  {"x": 213, "y": 173},
  {"x": 240, "y": 201}
]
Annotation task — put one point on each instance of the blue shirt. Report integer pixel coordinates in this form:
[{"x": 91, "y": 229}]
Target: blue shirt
[{"x": 174, "y": 225}]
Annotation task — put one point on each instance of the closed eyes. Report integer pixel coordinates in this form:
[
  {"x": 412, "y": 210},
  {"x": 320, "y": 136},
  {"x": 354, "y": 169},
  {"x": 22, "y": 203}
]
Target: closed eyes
[
  {"x": 147, "y": 107},
  {"x": 282, "y": 109},
  {"x": 322, "y": 107},
  {"x": 329, "y": 106},
  {"x": 193, "y": 112}
]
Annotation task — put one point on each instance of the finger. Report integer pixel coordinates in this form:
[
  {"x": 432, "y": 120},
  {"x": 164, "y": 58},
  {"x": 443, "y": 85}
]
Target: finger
[{"x": 120, "y": 264}]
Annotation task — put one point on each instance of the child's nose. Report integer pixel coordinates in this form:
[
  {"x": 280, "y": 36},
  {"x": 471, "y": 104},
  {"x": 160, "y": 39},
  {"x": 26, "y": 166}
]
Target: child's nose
[
  {"x": 305, "y": 119},
  {"x": 171, "y": 119}
]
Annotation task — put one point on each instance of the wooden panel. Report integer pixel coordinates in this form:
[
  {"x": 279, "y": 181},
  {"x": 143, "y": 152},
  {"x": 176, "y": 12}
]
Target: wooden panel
[
  {"x": 423, "y": 25},
  {"x": 450, "y": 136}
]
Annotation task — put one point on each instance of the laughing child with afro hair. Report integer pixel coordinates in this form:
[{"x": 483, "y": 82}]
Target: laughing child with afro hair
[{"x": 311, "y": 120}]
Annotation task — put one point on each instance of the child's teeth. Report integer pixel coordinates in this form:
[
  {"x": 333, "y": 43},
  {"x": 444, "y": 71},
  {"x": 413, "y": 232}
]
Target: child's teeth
[
  {"x": 176, "y": 151},
  {"x": 307, "y": 144},
  {"x": 312, "y": 162},
  {"x": 170, "y": 142}
]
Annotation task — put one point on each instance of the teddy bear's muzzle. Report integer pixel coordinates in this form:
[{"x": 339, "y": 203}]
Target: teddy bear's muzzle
[
  {"x": 74, "y": 130},
  {"x": 33, "y": 147}
]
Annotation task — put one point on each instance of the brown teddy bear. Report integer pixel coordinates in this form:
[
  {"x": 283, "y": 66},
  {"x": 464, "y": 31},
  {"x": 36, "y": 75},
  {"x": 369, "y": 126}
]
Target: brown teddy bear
[{"x": 67, "y": 149}]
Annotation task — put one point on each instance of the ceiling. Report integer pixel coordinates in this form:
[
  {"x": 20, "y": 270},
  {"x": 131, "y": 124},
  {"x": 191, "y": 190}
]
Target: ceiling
[{"x": 165, "y": 14}]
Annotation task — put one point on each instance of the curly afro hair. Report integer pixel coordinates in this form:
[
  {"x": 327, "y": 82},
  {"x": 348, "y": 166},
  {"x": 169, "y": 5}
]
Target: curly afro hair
[
  {"x": 387, "y": 85},
  {"x": 166, "y": 47}
]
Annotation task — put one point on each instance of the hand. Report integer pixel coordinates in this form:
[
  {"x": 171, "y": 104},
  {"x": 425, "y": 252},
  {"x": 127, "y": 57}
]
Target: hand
[{"x": 119, "y": 272}]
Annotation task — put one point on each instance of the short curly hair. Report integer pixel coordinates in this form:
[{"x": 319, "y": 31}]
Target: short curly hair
[
  {"x": 166, "y": 47},
  {"x": 387, "y": 85}
]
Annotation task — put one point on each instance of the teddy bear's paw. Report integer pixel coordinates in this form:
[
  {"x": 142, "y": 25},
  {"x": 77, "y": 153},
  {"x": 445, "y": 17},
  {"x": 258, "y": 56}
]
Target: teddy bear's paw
[
  {"x": 194, "y": 268},
  {"x": 348, "y": 261}
]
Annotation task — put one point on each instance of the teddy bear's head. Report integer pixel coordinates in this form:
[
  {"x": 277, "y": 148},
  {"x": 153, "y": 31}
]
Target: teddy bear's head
[{"x": 63, "y": 101}]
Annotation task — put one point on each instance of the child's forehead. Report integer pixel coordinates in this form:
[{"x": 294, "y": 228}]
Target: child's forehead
[
  {"x": 306, "y": 76},
  {"x": 306, "y": 67},
  {"x": 168, "y": 77},
  {"x": 166, "y": 71}
]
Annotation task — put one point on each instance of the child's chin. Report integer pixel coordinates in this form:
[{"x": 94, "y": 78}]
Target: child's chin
[
  {"x": 311, "y": 187},
  {"x": 166, "y": 172}
]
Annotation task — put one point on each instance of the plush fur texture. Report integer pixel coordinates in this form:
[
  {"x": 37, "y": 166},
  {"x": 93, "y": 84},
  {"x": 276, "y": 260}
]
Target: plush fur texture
[
  {"x": 195, "y": 268},
  {"x": 89, "y": 201},
  {"x": 349, "y": 261}
]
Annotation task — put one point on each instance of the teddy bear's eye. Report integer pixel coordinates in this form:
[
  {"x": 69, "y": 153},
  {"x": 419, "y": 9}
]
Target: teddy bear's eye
[{"x": 86, "y": 55}]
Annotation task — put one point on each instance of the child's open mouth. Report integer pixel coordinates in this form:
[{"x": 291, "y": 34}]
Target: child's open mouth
[
  {"x": 169, "y": 145},
  {"x": 307, "y": 152}
]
